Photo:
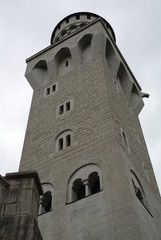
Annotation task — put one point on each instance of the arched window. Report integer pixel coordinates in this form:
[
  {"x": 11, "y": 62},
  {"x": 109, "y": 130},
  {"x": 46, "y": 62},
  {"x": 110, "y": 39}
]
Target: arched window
[
  {"x": 95, "y": 182},
  {"x": 46, "y": 200},
  {"x": 68, "y": 140},
  {"x": 84, "y": 182},
  {"x": 139, "y": 191},
  {"x": 78, "y": 189},
  {"x": 60, "y": 144},
  {"x": 137, "y": 187},
  {"x": 64, "y": 140}
]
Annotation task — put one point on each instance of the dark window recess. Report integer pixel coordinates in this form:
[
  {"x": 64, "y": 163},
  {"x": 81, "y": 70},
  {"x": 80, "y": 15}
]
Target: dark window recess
[
  {"x": 96, "y": 187},
  {"x": 125, "y": 139},
  {"x": 48, "y": 91},
  {"x": 54, "y": 88},
  {"x": 66, "y": 63},
  {"x": 61, "y": 109},
  {"x": 77, "y": 17},
  {"x": 46, "y": 201},
  {"x": 68, "y": 140},
  {"x": 88, "y": 16},
  {"x": 67, "y": 20},
  {"x": 79, "y": 189},
  {"x": 138, "y": 193},
  {"x": 60, "y": 143},
  {"x": 95, "y": 182},
  {"x": 68, "y": 106}
]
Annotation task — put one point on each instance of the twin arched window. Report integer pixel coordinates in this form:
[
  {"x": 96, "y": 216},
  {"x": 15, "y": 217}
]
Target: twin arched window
[
  {"x": 84, "y": 182},
  {"x": 64, "y": 140}
]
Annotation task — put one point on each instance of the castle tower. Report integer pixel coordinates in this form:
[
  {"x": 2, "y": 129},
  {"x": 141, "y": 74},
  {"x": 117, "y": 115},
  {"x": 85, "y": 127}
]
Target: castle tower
[{"x": 85, "y": 140}]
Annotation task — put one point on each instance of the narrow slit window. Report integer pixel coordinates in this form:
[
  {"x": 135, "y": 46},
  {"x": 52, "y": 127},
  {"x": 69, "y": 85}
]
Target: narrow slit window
[
  {"x": 68, "y": 140},
  {"x": 125, "y": 141},
  {"x": 61, "y": 109},
  {"x": 68, "y": 106},
  {"x": 66, "y": 63},
  {"x": 48, "y": 91},
  {"x": 60, "y": 144},
  {"x": 54, "y": 88}
]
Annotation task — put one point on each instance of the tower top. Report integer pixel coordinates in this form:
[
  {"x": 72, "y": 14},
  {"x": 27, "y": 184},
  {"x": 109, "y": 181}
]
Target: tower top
[{"x": 76, "y": 21}]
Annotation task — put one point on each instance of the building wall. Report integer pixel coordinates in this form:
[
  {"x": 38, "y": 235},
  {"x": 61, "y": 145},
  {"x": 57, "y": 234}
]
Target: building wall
[
  {"x": 19, "y": 206},
  {"x": 105, "y": 135}
]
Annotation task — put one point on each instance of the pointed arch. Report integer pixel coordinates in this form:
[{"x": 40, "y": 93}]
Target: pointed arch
[
  {"x": 123, "y": 78},
  {"x": 63, "y": 60},
  {"x": 111, "y": 56},
  {"x": 85, "y": 47},
  {"x": 40, "y": 71}
]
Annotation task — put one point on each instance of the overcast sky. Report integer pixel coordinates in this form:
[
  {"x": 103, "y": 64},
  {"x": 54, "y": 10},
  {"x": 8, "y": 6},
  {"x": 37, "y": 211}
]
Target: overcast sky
[{"x": 26, "y": 28}]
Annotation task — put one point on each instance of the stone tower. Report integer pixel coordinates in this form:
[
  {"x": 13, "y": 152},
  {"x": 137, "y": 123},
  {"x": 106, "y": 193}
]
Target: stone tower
[{"x": 85, "y": 140}]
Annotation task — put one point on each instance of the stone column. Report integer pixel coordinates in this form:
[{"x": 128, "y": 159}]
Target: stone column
[{"x": 87, "y": 187}]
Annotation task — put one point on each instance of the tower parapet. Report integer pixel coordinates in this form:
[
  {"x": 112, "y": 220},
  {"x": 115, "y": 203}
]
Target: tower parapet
[{"x": 75, "y": 22}]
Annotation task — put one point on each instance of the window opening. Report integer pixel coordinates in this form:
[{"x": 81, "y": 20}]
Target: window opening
[
  {"x": 67, "y": 20},
  {"x": 96, "y": 187},
  {"x": 79, "y": 189},
  {"x": 125, "y": 141},
  {"x": 68, "y": 140},
  {"x": 46, "y": 201},
  {"x": 51, "y": 89},
  {"x": 84, "y": 182},
  {"x": 48, "y": 91},
  {"x": 77, "y": 17},
  {"x": 68, "y": 106},
  {"x": 65, "y": 107},
  {"x": 88, "y": 16},
  {"x": 66, "y": 63},
  {"x": 60, "y": 143},
  {"x": 54, "y": 88},
  {"x": 64, "y": 140},
  {"x": 138, "y": 192},
  {"x": 64, "y": 32},
  {"x": 124, "y": 138},
  {"x": 95, "y": 182},
  {"x": 61, "y": 109}
]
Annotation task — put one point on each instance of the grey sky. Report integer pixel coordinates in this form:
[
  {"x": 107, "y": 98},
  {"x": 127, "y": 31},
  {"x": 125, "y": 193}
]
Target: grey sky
[{"x": 26, "y": 28}]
